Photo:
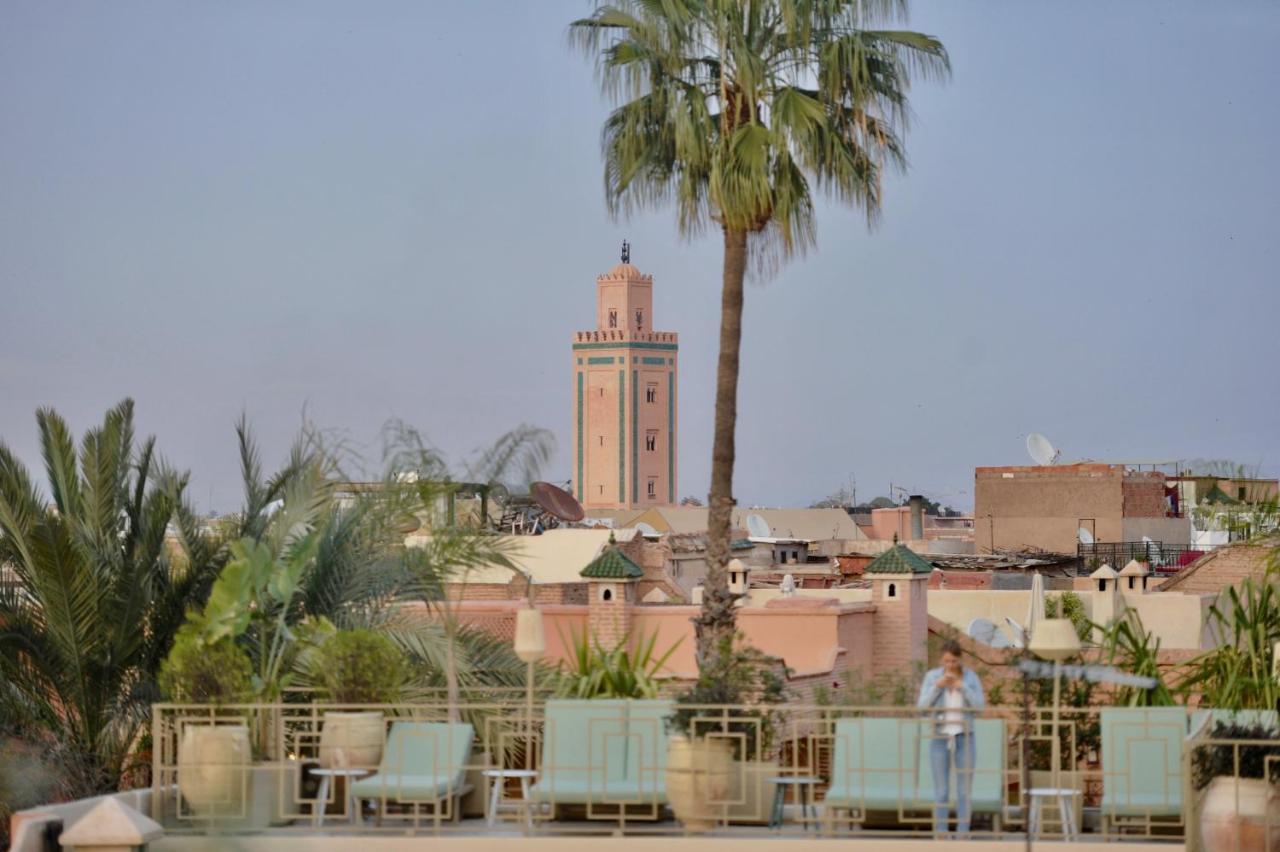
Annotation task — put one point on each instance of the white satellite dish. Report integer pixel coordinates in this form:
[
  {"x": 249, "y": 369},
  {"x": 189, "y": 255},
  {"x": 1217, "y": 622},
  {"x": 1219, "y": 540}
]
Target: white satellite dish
[
  {"x": 985, "y": 631},
  {"x": 1019, "y": 634},
  {"x": 1084, "y": 536},
  {"x": 788, "y": 586},
  {"x": 646, "y": 530},
  {"x": 758, "y": 527},
  {"x": 1041, "y": 450}
]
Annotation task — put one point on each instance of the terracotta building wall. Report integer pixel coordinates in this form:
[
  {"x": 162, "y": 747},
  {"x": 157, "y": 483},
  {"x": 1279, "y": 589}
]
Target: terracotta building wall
[{"x": 1043, "y": 507}]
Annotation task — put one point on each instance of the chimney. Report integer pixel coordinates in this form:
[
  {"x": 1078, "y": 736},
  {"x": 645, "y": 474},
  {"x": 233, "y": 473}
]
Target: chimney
[{"x": 916, "y": 502}]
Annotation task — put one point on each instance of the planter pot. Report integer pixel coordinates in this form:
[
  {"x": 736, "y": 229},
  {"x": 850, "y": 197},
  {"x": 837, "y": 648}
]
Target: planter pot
[
  {"x": 699, "y": 774},
  {"x": 1235, "y": 812},
  {"x": 751, "y": 793},
  {"x": 352, "y": 740},
  {"x": 213, "y": 770}
]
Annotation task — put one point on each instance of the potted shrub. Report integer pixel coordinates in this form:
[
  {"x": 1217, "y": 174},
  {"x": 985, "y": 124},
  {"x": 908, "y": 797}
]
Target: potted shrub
[
  {"x": 724, "y": 776},
  {"x": 214, "y": 760},
  {"x": 1240, "y": 806},
  {"x": 1240, "y": 801},
  {"x": 356, "y": 667}
]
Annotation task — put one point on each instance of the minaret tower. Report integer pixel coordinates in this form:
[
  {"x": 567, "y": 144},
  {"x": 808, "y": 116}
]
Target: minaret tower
[{"x": 624, "y": 395}]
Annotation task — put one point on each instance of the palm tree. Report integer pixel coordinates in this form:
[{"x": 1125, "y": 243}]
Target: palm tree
[
  {"x": 98, "y": 595},
  {"x": 735, "y": 110}
]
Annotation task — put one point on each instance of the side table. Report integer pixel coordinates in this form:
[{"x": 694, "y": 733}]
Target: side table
[
  {"x": 1065, "y": 799},
  {"x": 497, "y": 777},
  {"x": 322, "y": 795},
  {"x": 803, "y": 785}
]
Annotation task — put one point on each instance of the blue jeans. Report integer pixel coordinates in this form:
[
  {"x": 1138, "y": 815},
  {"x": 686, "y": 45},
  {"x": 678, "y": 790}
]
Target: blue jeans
[{"x": 944, "y": 752}]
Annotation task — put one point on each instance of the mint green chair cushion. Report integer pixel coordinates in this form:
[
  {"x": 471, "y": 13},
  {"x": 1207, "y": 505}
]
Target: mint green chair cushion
[
  {"x": 603, "y": 752},
  {"x": 1142, "y": 760},
  {"x": 421, "y": 762},
  {"x": 884, "y": 765}
]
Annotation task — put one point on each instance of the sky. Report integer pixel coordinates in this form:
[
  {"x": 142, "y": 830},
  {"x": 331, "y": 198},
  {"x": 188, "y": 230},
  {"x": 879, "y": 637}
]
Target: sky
[{"x": 352, "y": 212}]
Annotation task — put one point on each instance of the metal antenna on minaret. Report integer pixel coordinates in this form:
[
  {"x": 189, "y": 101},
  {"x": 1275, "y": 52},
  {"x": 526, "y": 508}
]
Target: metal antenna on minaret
[{"x": 626, "y": 252}]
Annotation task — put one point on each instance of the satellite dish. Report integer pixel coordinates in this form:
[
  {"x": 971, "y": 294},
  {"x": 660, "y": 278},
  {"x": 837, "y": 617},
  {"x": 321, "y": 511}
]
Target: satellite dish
[
  {"x": 1041, "y": 450},
  {"x": 985, "y": 631},
  {"x": 646, "y": 530},
  {"x": 557, "y": 502},
  {"x": 758, "y": 527},
  {"x": 1019, "y": 635},
  {"x": 1084, "y": 536},
  {"x": 788, "y": 586}
]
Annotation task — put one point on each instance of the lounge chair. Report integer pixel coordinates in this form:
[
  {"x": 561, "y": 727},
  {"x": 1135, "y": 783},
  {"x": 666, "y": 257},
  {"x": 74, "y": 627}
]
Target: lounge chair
[
  {"x": 884, "y": 765},
  {"x": 610, "y": 755},
  {"x": 423, "y": 763},
  {"x": 1142, "y": 777}
]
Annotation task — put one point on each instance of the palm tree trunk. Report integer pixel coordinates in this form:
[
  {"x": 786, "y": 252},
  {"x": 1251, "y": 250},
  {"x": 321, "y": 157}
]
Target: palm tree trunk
[{"x": 715, "y": 624}]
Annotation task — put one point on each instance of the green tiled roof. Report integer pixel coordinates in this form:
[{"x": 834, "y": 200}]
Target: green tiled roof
[
  {"x": 898, "y": 559},
  {"x": 612, "y": 565},
  {"x": 740, "y": 544}
]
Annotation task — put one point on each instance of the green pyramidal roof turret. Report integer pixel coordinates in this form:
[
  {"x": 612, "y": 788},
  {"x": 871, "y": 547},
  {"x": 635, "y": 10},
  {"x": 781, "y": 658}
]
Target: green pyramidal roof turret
[
  {"x": 612, "y": 565},
  {"x": 898, "y": 559}
]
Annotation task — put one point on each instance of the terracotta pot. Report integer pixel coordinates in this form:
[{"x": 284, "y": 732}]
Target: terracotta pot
[
  {"x": 698, "y": 775},
  {"x": 213, "y": 769},
  {"x": 352, "y": 740},
  {"x": 1235, "y": 812}
]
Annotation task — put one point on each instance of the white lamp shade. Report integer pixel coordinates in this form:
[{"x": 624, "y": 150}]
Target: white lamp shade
[
  {"x": 1055, "y": 639},
  {"x": 530, "y": 641}
]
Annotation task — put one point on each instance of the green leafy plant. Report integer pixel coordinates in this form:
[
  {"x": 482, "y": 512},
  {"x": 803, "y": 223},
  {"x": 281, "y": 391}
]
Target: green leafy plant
[
  {"x": 1237, "y": 674},
  {"x": 1069, "y": 605},
  {"x": 1130, "y": 647},
  {"x": 360, "y": 667},
  {"x": 96, "y": 596},
  {"x": 617, "y": 672},
  {"x": 1237, "y": 759},
  {"x": 217, "y": 673},
  {"x": 739, "y": 698}
]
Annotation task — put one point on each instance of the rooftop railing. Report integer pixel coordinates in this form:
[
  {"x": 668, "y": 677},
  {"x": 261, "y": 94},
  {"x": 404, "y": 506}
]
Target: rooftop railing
[{"x": 575, "y": 766}]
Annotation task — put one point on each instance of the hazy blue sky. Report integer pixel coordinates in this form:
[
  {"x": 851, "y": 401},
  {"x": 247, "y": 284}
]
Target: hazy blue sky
[{"x": 383, "y": 209}]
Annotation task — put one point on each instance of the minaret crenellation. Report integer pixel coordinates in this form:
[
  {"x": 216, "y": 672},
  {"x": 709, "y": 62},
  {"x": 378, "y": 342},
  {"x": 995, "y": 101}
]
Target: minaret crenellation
[{"x": 625, "y": 388}]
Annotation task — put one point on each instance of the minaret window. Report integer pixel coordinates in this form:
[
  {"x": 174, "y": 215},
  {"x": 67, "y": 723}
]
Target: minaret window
[
  {"x": 651, "y": 440},
  {"x": 639, "y": 320},
  {"x": 651, "y": 393},
  {"x": 613, "y": 318},
  {"x": 653, "y": 487}
]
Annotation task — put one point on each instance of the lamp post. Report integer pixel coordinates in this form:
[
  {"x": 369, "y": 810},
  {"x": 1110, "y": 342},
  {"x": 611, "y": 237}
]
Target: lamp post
[
  {"x": 530, "y": 644},
  {"x": 1055, "y": 639}
]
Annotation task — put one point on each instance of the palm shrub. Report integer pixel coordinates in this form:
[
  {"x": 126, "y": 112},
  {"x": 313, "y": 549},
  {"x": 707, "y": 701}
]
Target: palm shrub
[
  {"x": 360, "y": 667},
  {"x": 1238, "y": 672},
  {"x": 1130, "y": 647},
  {"x": 617, "y": 672},
  {"x": 737, "y": 112},
  {"x": 98, "y": 598},
  {"x": 1241, "y": 754}
]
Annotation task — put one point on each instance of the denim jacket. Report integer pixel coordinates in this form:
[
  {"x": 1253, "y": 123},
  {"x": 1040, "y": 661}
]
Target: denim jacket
[{"x": 931, "y": 695}]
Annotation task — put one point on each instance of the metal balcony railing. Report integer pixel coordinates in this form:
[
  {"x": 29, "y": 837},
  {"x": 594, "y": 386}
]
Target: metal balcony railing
[{"x": 580, "y": 766}]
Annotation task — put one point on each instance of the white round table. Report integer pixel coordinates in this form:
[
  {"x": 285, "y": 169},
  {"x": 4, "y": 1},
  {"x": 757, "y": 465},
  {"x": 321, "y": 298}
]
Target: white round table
[
  {"x": 322, "y": 795},
  {"x": 497, "y": 777},
  {"x": 1065, "y": 799}
]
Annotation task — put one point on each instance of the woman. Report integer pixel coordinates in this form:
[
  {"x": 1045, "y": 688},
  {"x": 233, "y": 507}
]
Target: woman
[{"x": 956, "y": 692}]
